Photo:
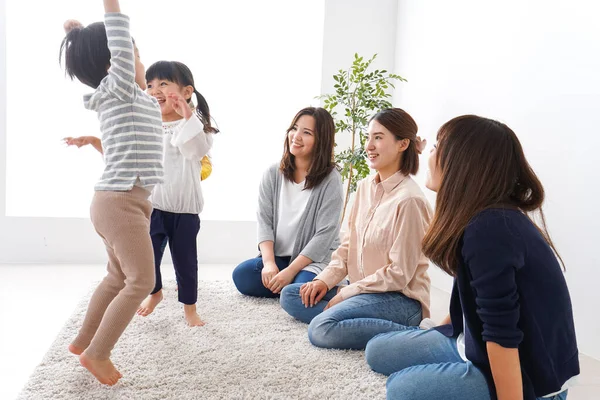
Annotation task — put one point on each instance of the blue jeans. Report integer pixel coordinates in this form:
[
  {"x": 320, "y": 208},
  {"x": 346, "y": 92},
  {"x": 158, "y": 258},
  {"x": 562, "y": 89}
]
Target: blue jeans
[
  {"x": 248, "y": 280},
  {"x": 353, "y": 322},
  {"x": 424, "y": 364}
]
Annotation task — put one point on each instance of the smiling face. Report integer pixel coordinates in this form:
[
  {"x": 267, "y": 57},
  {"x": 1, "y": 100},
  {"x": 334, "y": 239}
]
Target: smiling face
[
  {"x": 301, "y": 137},
  {"x": 384, "y": 150},
  {"x": 160, "y": 88}
]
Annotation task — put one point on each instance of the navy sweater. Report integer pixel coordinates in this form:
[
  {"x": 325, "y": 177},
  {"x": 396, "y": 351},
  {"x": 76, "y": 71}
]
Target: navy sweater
[{"x": 511, "y": 290}]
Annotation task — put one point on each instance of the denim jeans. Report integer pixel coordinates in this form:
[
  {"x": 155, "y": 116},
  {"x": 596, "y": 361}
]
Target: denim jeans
[
  {"x": 353, "y": 322},
  {"x": 248, "y": 279},
  {"x": 424, "y": 364}
]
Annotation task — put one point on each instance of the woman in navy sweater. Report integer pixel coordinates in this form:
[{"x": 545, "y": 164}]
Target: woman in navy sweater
[{"x": 510, "y": 332}]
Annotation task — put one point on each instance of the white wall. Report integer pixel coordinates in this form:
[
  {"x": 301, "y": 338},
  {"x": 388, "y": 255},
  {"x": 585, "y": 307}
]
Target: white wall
[
  {"x": 255, "y": 73},
  {"x": 73, "y": 240},
  {"x": 357, "y": 26},
  {"x": 253, "y": 100},
  {"x": 533, "y": 65}
]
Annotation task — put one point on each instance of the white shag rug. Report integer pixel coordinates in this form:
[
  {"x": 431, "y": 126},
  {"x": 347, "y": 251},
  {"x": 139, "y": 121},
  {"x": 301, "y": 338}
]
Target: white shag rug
[{"x": 249, "y": 349}]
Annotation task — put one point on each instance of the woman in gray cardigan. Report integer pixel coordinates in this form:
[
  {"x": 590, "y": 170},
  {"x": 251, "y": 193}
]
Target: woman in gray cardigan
[{"x": 299, "y": 206}]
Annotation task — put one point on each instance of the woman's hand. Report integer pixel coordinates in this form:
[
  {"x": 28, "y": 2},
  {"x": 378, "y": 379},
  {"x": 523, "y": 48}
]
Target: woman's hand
[
  {"x": 268, "y": 272},
  {"x": 179, "y": 104},
  {"x": 281, "y": 280},
  {"x": 337, "y": 299},
  {"x": 312, "y": 292}
]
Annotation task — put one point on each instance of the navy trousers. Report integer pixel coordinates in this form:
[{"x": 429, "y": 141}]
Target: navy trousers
[{"x": 180, "y": 231}]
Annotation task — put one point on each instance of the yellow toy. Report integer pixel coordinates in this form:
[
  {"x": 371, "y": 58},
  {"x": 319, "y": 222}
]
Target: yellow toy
[{"x": 206, "y": 168}]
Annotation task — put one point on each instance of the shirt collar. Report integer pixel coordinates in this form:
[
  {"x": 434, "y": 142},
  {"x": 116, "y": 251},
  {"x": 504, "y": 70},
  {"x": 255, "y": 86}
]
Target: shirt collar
[{"x": 390, "y": 183}]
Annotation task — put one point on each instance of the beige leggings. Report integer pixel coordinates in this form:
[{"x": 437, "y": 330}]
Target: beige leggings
[{"x": 122, "y": 219}]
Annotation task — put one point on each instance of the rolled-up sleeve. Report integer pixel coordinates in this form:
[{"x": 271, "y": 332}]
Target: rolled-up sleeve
[
  {"x": 337, "y": 269},
  {"x": 492, "y": 255}
]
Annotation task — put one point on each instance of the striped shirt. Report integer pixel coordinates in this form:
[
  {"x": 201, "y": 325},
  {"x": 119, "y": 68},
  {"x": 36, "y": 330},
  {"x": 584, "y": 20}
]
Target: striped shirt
[{"x": 130, "y": 119}]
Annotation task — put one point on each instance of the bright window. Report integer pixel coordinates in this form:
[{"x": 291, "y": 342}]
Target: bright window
[{"x": 257, "y": 63}]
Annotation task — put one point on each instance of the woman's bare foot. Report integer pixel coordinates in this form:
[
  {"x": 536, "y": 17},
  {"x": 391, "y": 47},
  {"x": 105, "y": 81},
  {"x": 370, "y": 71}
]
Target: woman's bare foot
[
  {"x": 150, "y": 303},
  {"x": 75, "y": 350},
  {"x": 191, "y": 316},
  {"x": 103, "y": 370}
]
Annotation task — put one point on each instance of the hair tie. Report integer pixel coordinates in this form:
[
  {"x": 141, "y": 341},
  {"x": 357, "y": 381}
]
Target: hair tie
[
  {"x": 420, "y": 144},
  {"x": 71, "y": 25}
]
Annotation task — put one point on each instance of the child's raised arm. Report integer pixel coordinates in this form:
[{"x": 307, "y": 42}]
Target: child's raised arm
[
  {"x": 122, "y": 72},
  {"x": 112, "y": 6}
]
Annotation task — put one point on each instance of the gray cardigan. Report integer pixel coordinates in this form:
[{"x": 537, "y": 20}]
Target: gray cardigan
[{"x": 319, "y": 226}]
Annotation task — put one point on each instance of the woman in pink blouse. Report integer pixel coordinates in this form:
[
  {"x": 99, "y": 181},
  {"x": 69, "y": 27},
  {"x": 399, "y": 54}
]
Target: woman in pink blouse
[{"x": 380, "y": 253}]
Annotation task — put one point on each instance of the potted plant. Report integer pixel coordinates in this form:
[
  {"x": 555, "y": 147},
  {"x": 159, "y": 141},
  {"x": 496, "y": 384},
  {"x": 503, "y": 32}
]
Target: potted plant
[{"x": 360, "y": 92}]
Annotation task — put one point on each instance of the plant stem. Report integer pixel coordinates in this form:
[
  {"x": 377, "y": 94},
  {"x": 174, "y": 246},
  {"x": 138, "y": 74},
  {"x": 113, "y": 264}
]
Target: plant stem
[
  {"x": 351, "y": 163},
  {"x": 347, "y": 194}
]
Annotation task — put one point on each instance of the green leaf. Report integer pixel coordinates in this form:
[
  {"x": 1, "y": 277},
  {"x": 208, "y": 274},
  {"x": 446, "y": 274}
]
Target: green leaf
[{"x": 360, "y": 93}]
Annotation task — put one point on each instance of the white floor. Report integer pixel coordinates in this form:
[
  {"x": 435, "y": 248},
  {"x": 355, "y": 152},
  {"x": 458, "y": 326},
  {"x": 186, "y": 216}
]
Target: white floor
[{"x": 36, "y": 301}]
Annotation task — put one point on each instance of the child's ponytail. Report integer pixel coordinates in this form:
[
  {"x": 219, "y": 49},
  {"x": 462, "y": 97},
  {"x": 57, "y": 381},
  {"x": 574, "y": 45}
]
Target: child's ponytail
[{"x": 204, "y": 113}]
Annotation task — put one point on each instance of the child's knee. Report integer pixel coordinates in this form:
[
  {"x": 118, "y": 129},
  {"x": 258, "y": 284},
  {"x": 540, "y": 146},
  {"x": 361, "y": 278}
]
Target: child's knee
[
  {"x": 142, "y": 283},
  {"x": 147, "y": 285},
  {"x": 113, "y": 282}
]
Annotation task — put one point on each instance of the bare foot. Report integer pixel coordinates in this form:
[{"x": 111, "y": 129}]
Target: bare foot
[
  {"x": 75, "y": 350},
  {"x": 103, "y": 370},
  {"x": 150, "y": 303},
  {"x": 191, "y": 316}
]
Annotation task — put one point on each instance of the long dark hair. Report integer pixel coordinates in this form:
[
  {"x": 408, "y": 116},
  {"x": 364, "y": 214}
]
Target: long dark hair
[
  {"x": 402, "y": 126},
  {"x": 86, "y": 54},
  {"x": 482, "y": 165},
  {"x": 179, "y": 73},
  {"x": 322, "y": 160}
]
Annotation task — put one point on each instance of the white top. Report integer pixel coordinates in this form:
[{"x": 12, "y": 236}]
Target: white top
[
  {"x": 185, "y": 143},
  {"x": 460, "y": 342},
  {"x": 292, "y": 203}
]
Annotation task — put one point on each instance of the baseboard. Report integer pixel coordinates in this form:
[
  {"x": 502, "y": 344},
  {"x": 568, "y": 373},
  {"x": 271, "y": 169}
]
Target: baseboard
[{"x": 73, "y": 240}]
